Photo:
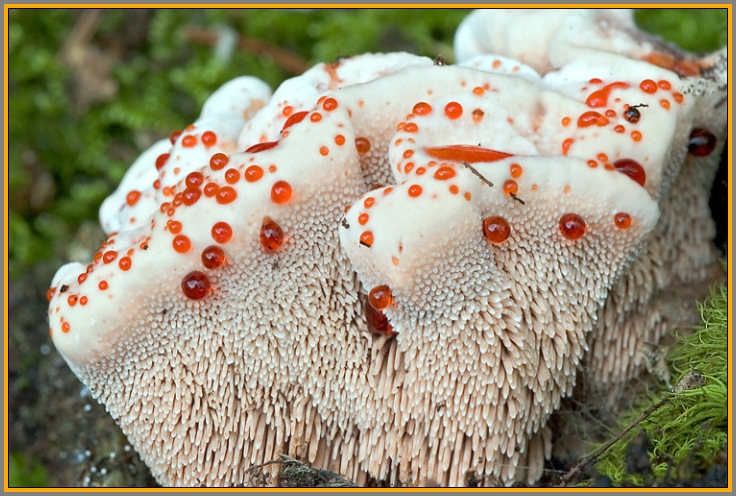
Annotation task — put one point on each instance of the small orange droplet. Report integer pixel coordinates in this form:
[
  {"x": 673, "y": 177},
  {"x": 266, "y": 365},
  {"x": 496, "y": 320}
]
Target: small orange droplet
[
  {"x": 209, "y": 138},
  {"x": 636, "y": 135},
  {"x": 566, "y": 121},
  {"x": 189, "y": 141},
  {"x": 648, "y": 86},
  {"x": 232, "y": 176},
  {"x": 324, "y": 151},
  {"x": 516, "y": 170},
  {"x": 411, "y": 127},
  {"x": 478, "y": 115},
  {"x": 362, "y": 219},
  {"x": 572, "y": 226},
  {"x": 253, "y": 173},
  {"x": 362, "y": 145},
  {"x": 454, "y": 189},
  {"x": 422, "y": 108},
  {"x": 315, "y": 117},
  {"x": 125, "y": 263},
  {"x": 496, "y": 229},
  {"x": 329, "y": 104},
  {"x": 453, "y": 110},
  {"x": 415, "y": 190},
  {"x": 132, "y": 198},
  {"x": 225, "y": 195},
  {"x": 622, "y": 220},
  {"x": 444, "y": 173},
  {"x": 65, "y": 327},
  {"x": 272, "y": 236},
  {"x": 368, "y": 202},
  {"x": 102, "y": 285},
  {"x": 281, "y": 192},
  {"x": 510, "y": 187},
  {"x": 664, "y": 103},
  {"x": 380, "y": 297},
  {"x": 218, "y": 161},
  {"x": 339, "y": 140},
  {"x": 366, "y": 239},
  {"x": 181, "y": 243},
  {"x": 566, "y": 145}
]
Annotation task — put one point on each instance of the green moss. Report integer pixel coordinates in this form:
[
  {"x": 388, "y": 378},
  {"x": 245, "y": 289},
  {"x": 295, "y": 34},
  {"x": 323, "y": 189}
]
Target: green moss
[
  {"x": 689, "y": 432},
  {"x": 24, "y": 471}
]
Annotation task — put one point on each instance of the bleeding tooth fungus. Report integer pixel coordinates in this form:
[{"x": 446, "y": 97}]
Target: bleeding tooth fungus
[{"x": 527, "y": 223}]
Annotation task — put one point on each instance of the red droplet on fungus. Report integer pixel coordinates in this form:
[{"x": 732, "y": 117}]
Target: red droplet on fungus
[
  {"x": 189, "y": 141},
  {"x": 648, "y": 86},
  {"x": 378, "y": 322},
  {"x": 190, "y": 196},
  {"x": 622, "y": 220},
  {"x": 253, "y": 173},
  {"x": 366, "y": 238},
  {"x": 496, "y": 229},
  {"x": 415, "y": 190},
  {"x": 444, "y": 173},
  {"x": 701, "y": 143},
  {"x": 225, "y": 195},
  {"x": 329, "y": 104},
  {"x": 232, "y": 176},
  {"x": 174, "y": 136},
  {"x": 272, "y": 236},
  {"x": 102, "y": 285},
  {"x": 125, "y": 263},
  {"x": 362, "y": 145},
  {"x": 510, "y": 187},
  {"x": 631, "y": 168},
  {"x": 572, "y": 226},
  {"x": 222, "y": 232},
  {"x": 218, "y": 161},
  {"x": 599, "y": 98},
  {"x": 281, "y": 192},
  {"x": 132, "y": 197},
  {"x": 195, "y": 285},
  {"x": 422, "y": 108},
  {"x": 213, "y": 257},
  {"x": 181, "y": 243},
  {"x": 109, "y": 256},
  {"x": 592, "y": 118},
  {"x": 380, "y": 297},
  {"x": 209, "y": 138},
  {"x": 161, "y": 160},
  {"x": 453, "y": 110}
]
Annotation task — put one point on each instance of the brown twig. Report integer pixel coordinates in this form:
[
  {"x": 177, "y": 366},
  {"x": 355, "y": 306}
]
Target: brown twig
[
  {"x": 288, "y": 61},
  {"x": 474, "y": 171},
  {"x": 565, "y": 479}
]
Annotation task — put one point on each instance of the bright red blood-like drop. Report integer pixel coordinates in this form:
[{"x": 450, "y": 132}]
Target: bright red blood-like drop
[
  {"x": 701, "y": 143},
  {"x": 422, "y": 108},
  {"x": 132, "y": 198},
  {"x": 109, "y": 256},
  {"x": 272, "y": 236},
  {"x": 631, "y": 168},
  {"x": 622, "y": 220},
  {"x": 329, "y": 104},
  {"x": 592, "y": 118},
  {"x": 380, "y": 297},
  {"x": 194, "y": 179},
  {"x": 189, "y": 141},
  {"x": 213, "y": 257},
  {"x": 174, "y": 136},
  {"x": 125, "y": 263},
  {"x": 161, "y": 160},
  {"x": 209, "y": 138},
  {"x": 253, "y": 173},
  {"x": 190, "y": 196},
  {"x": 181, "y": 243},
  {"x": 453, "y": 110},
  {"x": 362, "y": 145},
  {"x": 294, "y": 119},
  {"x": 225, "y": 195},
  {"x": 496, "y": 229},
  {"x": 195, "y": 285},
  {"x": 378, "y": 322},
  {"x": 281, "y": 192},
  {"x": 444, "y": 173},
  {"x": 218, "y": 161},
  {"x": 259, "y": 147},
  {"x": 572, "y": 226},
  {"x": 222, "y": 232},
  {"x": 466, "y": 153}
]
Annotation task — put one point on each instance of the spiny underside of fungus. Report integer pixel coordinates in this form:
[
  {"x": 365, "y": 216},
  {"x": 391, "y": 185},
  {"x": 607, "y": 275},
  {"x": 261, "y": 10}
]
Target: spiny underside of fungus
[{"x": 394, "y": 269}]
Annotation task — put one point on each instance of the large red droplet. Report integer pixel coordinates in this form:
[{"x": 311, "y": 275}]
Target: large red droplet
[
  {"x": 592, "y": 118},
  {"x": 496, "y": 229},
  {"x": 190, "y": 196},
  {"x": 213, "y": 257},
  {"x": 378, "y": 322},
  {"x": 453, "y": 110},
  {"x": 622, "y": 220},
  {"x": 195, "y": 285},
  {"x": 181, "y": 243},
  {"x": 380, "y": 297},
  {"x": 362, "y": 145},
  {"x": 444, "y": 173},
  {"x": 272, "y": 236},
  {"x": 222, "y": 232},
  {"x": 194, "y": 179},
  {"x": 466, "y": 153},
  {"x": 218, "y": 161},
  {"x": 281, "y": 192},
  {"x": 701, "y": 143},
  {"x": 631, "y": 168},
  {"x": 572, "y": 226}
]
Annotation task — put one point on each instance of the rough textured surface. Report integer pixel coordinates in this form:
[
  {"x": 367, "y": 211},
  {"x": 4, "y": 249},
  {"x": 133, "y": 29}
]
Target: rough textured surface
[{"x": 215, "y": 359}]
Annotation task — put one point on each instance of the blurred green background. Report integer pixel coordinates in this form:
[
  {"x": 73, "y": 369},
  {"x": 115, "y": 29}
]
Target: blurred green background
[{"x": 89, "y": 90}]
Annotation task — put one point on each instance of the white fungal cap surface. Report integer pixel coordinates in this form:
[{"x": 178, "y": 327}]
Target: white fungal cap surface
[{"x": 298, "y": 94}]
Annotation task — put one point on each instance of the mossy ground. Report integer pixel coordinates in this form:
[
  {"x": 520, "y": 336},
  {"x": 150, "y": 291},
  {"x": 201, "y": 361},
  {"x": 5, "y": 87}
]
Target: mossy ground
[
  {"x": 684, "y": 441},
  {"x": 89, "y": 90}
]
